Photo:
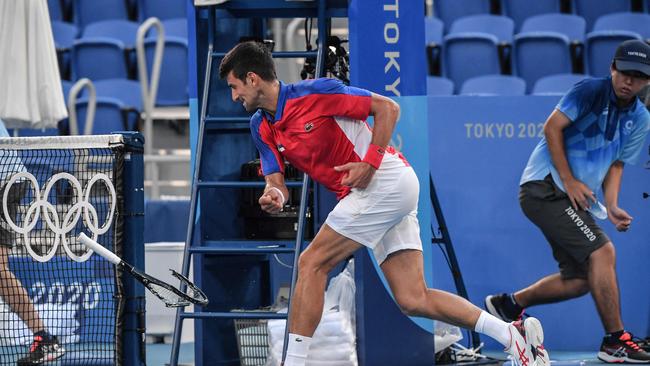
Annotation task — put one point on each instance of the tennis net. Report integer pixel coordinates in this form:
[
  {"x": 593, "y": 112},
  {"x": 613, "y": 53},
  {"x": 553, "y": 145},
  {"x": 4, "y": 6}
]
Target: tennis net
[{"x": 52, "y": 189}]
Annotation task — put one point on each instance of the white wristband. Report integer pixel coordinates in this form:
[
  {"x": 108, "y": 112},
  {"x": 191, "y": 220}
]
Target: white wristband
[{"x": 280, "y": 193}]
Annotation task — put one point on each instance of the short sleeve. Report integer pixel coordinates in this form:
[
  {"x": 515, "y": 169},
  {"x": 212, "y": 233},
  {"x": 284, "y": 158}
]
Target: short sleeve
[
  {"x": 631, "y": 151},
  {"x": 343, "y": 100},
  {"x": 577, "y": 102},
  {"x": 270, "y": 157}
]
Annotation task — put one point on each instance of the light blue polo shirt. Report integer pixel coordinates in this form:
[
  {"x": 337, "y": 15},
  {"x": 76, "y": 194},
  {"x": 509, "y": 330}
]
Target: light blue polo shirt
[{"x": 599, "y": 134}]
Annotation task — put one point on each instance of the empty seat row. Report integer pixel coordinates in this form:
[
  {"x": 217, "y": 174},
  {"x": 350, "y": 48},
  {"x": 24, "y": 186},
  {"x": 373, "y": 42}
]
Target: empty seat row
[
  {"x": 505, "y": 85},
  {"x": 519, "y": 10},
  {"x": 84, "y": 12},
  {"x": 125, "y": 31},
  {"x": 118, "y": 108},
  {"x": 107, "y": 51},
  {"x": 547, "y": 44}
]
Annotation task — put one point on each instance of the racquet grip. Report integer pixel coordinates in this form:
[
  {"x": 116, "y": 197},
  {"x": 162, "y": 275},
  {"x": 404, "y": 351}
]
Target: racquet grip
[{"x": 99, "y": 249}]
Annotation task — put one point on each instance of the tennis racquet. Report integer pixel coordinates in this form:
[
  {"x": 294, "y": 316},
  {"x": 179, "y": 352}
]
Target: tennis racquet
[{"x": 170, "y": 295}]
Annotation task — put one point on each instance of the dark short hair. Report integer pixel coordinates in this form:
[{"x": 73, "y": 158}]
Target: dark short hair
[{"x": 248, "y": 57}]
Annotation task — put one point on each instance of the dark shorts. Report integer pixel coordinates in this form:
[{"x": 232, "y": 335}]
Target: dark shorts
[
  {"x": 573, "y": 235},
  {"x": 16, "y": 193}
]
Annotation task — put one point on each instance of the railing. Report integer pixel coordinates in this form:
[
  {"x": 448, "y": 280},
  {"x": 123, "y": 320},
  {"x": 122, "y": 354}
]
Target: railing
[
  {"x": 72, "y": 110},
  {"x": 153, "y": 158}
]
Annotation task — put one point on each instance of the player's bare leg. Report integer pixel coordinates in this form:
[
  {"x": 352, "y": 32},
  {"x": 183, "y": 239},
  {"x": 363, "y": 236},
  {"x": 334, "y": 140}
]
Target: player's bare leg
[
  {"x": 405, "y": 274},
  {"x": 45, "y": 346},
  {"x": 15, "y": 295},
  {"x": 550, "y": 289},
  {"x": 326, "y": 251},
  {"x": 604, "y": 288}
]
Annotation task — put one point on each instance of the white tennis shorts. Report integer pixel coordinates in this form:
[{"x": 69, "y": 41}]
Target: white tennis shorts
[{"x": 383, "y": 216}]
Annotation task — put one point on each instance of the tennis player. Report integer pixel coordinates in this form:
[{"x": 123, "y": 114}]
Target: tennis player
[
  {"x": 319, "y": 127},
  {"x": 45, "y": 346}
]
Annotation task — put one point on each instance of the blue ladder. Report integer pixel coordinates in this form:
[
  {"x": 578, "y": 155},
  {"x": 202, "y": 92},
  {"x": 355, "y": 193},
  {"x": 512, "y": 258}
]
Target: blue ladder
[{"x": 244, "y": 9}]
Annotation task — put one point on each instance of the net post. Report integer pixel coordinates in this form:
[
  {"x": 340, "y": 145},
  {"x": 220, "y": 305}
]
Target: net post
[{"x": 133, "y": 332}]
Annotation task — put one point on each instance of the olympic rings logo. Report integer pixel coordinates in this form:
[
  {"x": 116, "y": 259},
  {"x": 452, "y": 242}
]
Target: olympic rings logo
[{"x": 60, "y": 226}]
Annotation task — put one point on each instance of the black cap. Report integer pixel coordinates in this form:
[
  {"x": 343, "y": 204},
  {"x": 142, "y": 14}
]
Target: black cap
[{"x": 633, "y": 55}]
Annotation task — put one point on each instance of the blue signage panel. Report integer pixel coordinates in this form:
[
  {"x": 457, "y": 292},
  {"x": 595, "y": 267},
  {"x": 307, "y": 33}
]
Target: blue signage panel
[
  {"x": 387, "y": 46},
  {"x": 76, "y": 300}
]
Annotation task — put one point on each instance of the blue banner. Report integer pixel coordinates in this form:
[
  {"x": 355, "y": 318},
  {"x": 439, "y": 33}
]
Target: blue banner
[
  {"x": 76, "y": 300},
  {"x": 387, "y": 46}
]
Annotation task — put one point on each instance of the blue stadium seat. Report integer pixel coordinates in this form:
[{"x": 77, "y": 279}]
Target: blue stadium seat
[
  {"x": 573, "y": 26},
  {"x": 128, "y": 92},
  {"x": 592, "y": 9},
  {"x": 494, "y": 85},
  {"x": 500, "y": 26},
  {"x": 608, "y": 33},
  {"x": 161, "y": 9},
  {"x": 173, "y": 86},
  {"x": 176, "y": 27},
  {"x": 433, "y": 31},
  {"x": 467, "y": 55},
  {"x": 54, "y": 8},
  {"x": 99, "y": 58},
  {"x": 439, "y": 86},
  {"x": 537, "y": 54},
  {"x": 109, "y": 116},
  {"x": 433, "y": 37},
  {"x": 520, "y": 10},
  {"x": 556, "y": 84},
  {"x": 90, "y": 11},
  {"x": 450, "y": 10},
  {"x": 600, "y": 47},
  {"x": 64, "y": 36},
  {"x": 473, "y": 47},
  {"x": 123, "y": 30},
  {"x": 632, "y": 22},
  {"x": 544, "y": 45}
]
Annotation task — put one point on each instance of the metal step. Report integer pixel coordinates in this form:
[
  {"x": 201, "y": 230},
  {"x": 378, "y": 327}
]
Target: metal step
[
  {"x": 228, "y": 124},
  {"x": 213, "y": 119},
  {"x": 242, "y": 184},
  {"x": 280, "y": 54},
  {"x": 234, "y": 315},
  {"x": 244, "y": 247},
  {"x": 278, "y": 9}
]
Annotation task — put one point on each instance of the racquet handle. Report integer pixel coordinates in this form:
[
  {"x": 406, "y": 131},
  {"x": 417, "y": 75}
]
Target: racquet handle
[{"x": 97, "y": 248}]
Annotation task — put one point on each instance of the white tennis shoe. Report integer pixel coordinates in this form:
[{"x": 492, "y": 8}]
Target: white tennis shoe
[{"x": 526, "y": 343}]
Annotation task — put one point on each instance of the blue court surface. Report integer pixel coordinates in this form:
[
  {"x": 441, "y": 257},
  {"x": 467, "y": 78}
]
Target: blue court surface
[
  {"x": 560, "y": 358},
  {"x": 158, "y": 355}
]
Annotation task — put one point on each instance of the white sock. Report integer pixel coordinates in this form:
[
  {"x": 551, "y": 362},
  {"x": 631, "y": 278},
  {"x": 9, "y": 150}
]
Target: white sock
[
  {"x": 493, "y": 327},
  {"x": 297, "y": 350}
]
